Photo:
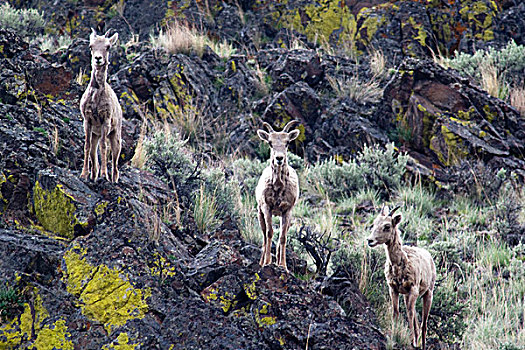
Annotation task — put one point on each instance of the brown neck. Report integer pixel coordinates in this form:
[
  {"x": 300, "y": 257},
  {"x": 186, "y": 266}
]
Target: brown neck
[
  {"x": 99, "y": 76},
  {"x": 279, "y": 174},
  {"x": 394, "y": 249}
]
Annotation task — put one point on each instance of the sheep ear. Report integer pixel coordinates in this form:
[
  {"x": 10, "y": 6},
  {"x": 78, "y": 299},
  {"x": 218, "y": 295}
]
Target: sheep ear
[
  {"x": 292, "y": 135},
  {"x": 384, "y": 210},
  {"x": 263, "y": 135},
  {"x": 396, "y": 219},
  {"x": 113, "y": 39},
  {"x": 93, "y": 35}
]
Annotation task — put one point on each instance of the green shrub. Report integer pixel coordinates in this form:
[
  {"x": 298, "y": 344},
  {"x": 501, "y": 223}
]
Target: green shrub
[
  {"x": 52, "y": 43},
  {"x": 375, "y": 168},
  {"x": 168, "y": 159},
  {"x": 25, "y": 22},
  {"x": 247, "y": 172},
  {"x": 507, "y": 61},
  {"x": 448, "y": 312},
  {"x": 420, "y": 199},
  {"x": 10, "y": 303},
  {"x": 222, "y": 190},
  {"x": 248, "y": 220},
  {"x": 205, "y": 211}
]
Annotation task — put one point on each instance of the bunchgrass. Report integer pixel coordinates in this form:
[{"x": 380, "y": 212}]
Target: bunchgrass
[
  {"x": 186, "y": 39},
  {"x": 356, "y": 89},
  {"x": 205, "y": 211}
]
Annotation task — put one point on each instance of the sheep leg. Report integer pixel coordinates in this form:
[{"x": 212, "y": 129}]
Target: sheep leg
[
  {"x": 394, "y": 296},
  {"x": 395, "y": 303},
  {"x": 410, "y": 302},
  {"x": 281, "y": 251},
  {"x": 94, "y": 156},
  {"x": 269, "y": 236},
  {"x": 262, "y": 222},
  {"x": 87, "y": 148},
  {"x": 427, "y": 303},
  {"x": 104, "y": 153},
  {"x": 116, "y": 146}
]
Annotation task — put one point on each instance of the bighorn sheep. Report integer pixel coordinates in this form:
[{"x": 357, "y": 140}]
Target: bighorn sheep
[
  {"x": 408, "y": 270},
  {"x": 277, "y": 191},
  {"x": 101, "y": 111}
]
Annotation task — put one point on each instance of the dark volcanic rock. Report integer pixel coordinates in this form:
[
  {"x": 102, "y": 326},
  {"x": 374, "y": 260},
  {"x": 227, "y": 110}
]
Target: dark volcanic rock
[
  {"x": 440, "y": 115},
  {"x": 98, "y": 264}
]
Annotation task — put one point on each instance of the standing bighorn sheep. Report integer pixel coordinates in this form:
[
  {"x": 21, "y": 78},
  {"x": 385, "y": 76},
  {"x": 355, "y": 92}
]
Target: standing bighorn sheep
[
  {"x": 101, "y": 111},
  {"x": 409, "y": 271},
  {"x": 277, "y": 191}
]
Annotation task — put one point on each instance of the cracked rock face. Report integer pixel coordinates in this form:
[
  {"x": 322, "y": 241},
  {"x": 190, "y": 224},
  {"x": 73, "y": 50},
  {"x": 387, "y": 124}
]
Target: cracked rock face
[{"x": 451, "y": 120}]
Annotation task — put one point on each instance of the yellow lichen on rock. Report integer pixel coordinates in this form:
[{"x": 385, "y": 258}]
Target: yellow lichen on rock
[
  {"x": 121, "y": 343},
  {"x": 53, "y": 337},
  {"x": 21, "y": 329},
  {"x": 55, "y": 210},
  {"x": 261, "y": 315},
  {"x": 250, "y": 289},
  {"x": 371, "y": 22},
  {"x": 455, "y": 149},
  {"x": 324, "y": 18},
  {"x": 162, "y": 267},
  {"x": 104, "y": 294}
]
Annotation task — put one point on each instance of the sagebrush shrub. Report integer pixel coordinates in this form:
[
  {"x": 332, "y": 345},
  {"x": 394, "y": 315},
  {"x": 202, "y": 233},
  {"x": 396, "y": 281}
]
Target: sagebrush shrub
[
  {"x": 509, "y": 61},
  {"x": 167, "y": 158},
  {"x": 376, "y": 168},
  {"x": 25, "y": 22}
]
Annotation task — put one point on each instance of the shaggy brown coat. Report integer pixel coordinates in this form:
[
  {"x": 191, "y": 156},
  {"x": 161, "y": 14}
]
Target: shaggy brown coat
[
  {"x": 277, "y": 192},
  {"x": 102, "y": 113},
  {"x": 408, "y": 270}
]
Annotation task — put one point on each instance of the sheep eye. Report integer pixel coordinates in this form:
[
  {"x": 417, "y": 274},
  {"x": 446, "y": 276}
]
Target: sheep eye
[{"x": 386, "y": 228}]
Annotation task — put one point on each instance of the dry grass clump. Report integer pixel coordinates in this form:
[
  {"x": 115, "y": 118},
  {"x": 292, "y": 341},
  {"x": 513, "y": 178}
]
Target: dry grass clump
[
  {"x": 356, "y": 89},
  {"x": 181, "y": 38},
  {"x": 377, "y": 62},
  {"x": 492, "y": 81},
  {"x": 517, "y": 99}
]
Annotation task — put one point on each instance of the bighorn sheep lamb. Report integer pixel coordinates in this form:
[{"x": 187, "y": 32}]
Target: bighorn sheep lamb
[
  {"x": 409, "y": 271},
  {"x": 277, "y": 191},
  {"x": 101, "y": 111}
]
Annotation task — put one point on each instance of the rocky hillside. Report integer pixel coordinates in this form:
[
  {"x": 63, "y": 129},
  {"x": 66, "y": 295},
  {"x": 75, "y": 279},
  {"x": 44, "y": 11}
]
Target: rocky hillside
[{"x": 96, "y": 265}]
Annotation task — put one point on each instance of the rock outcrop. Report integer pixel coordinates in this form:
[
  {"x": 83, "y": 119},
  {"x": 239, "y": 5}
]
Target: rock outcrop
[{"x": 101, "y": 265}]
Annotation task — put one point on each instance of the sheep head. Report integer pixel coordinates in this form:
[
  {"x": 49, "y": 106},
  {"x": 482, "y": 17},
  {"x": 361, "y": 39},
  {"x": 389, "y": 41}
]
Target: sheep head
[
  {"x": 384, "y": 227},
  {"x": 99, "y": 46},
  {"x": 278, "y": 142}
]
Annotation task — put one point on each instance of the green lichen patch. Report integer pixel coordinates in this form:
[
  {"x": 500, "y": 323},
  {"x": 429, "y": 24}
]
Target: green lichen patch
[
  {"x": 104, "y": 294},
  {"x": 55, "y": 210},
  {"x": 448, "y": 147},
  {"x": 100, "y": 208},
  {"x": 479, "y": 17},
  {"x": 122, "y": 342},
  {"x": 320, "y": 21},
  {"x": 3, "y": 201},
  {"x": 369, "y": 21}
]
